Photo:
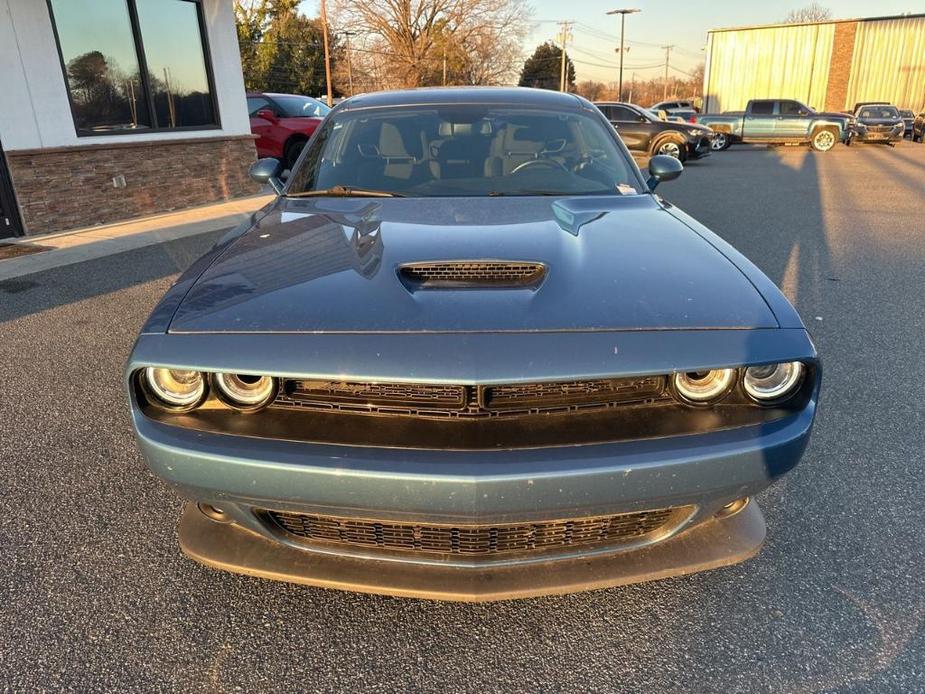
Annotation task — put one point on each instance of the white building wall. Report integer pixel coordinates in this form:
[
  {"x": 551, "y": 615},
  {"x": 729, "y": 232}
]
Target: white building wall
[{"x": 34, "y": 108}]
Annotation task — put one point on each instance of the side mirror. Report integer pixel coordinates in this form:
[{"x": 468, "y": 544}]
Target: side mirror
[
  {"x": 267, "y": 170},
  {"x": 663, "y": 168},
  {"x": 267, "y": 114}
]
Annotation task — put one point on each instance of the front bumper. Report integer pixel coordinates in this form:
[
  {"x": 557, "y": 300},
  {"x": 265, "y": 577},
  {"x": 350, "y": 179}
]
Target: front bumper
[
  {"x": 700, "y": 147},
  {"x": 702, "y": 472},
  {"x": 713, "y": 544},
  {"x": 879, "y": 136}
]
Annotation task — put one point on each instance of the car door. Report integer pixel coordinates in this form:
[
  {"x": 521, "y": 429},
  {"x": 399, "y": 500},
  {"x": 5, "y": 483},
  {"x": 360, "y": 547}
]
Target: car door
[
  {"x": 262, "y": 127},
  {"x": 759, "y": 121},
  {"x": 634, "y": 129},
  {"x": 792, "y": 121}
]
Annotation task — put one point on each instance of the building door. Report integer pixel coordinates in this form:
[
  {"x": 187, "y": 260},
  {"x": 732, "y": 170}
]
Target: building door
[{"x": 10, "y": 224}]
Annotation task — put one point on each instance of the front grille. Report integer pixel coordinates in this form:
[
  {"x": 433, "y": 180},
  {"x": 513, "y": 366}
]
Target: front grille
[
  {"x": 449, "y": 400},
  {"x": 471, "y": 274},
  {"x": 475, "y": 539}
]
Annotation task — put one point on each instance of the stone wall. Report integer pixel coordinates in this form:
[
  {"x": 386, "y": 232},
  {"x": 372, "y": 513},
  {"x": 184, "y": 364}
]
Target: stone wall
[{"x": 69, "y": 187}]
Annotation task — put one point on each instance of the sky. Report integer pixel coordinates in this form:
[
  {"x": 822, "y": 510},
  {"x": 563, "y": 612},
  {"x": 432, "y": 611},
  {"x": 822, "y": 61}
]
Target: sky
[{"x": 684, "y": 23}]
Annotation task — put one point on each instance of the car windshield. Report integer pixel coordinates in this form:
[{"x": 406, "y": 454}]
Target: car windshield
[
  {"x": 907, "y": 114},
  {"x": 465, "y": 150},
  {"x": 879, "y": 112},
  {"x": 301, "y": 106}
]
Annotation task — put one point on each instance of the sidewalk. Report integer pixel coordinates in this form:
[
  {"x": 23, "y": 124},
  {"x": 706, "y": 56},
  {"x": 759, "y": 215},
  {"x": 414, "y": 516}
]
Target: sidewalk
[{"x": 78, "y": 245}]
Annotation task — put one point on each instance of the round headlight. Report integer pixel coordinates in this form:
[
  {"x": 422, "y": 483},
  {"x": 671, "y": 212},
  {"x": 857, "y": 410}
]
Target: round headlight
[
  {"x": 704, "y": 386},
  {"x": 177, "y": 388},
  {"x": 245, "y": 392},
  {"x": 772, "y": 381}
]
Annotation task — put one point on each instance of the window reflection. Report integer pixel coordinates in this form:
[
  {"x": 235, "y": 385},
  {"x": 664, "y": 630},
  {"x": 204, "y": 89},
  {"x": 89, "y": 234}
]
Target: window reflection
[
  {"x": 101, "y": 65},
  {"x": 176, "y": 62},
  {"x": 100, "y": 53}
]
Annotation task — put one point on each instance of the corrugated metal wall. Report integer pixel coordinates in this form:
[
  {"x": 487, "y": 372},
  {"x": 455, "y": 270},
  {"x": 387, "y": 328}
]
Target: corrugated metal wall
[
  {"x": 889, "y": 63},
  {"x": 790, "y": 62}
]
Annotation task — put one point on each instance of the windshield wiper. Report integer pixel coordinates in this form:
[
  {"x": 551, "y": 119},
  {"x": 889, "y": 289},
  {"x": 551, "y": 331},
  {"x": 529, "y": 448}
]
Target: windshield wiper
[{"x": 345, "y": 192}]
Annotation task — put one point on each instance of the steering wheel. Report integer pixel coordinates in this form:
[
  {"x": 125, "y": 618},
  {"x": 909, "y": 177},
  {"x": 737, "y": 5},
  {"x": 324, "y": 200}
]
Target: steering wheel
[{"x": 539, "y": 162}]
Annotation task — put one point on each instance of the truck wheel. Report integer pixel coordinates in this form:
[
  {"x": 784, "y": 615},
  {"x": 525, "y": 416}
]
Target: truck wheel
[
  {"x": 671, "y": 147},
  {"x": 823, "y": 140},
  {"x": 720, "y": 142}
]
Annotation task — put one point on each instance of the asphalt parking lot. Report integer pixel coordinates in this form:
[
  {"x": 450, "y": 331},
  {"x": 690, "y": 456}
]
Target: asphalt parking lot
[{"x": 94, "y": 594}]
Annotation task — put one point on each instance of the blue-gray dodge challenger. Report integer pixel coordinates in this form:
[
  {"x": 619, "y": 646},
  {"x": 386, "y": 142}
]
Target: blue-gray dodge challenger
[{"x": 468, "y": 354}]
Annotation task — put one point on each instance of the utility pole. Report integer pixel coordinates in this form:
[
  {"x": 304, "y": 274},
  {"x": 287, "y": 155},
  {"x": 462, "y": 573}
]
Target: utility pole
[
  {"x": 327, "y": 52},
  {"x": 348, "y": 34},
  {"x": 622, "y": 14},
  {"x": 667, "y": 58},
  {"x": 565, "y": 35}
]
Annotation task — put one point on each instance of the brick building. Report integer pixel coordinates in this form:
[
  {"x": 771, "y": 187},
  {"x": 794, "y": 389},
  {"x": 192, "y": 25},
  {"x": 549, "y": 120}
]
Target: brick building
[
  {"x": 827, "y": 65},
  {"x": 112, "y": 109}
]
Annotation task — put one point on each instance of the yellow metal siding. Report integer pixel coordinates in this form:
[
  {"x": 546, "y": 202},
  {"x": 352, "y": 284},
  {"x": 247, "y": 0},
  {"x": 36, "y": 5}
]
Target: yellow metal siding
[
  {"x": 790, "y": 62},
  {"x": 889, "y": 63}
]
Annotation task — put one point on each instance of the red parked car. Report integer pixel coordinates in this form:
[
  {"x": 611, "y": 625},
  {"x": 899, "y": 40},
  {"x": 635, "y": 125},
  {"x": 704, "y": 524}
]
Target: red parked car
[{"x": 283, "y": 123}]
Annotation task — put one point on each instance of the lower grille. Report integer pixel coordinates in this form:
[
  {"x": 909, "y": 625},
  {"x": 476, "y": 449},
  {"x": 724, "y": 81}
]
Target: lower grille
[{"x": 475, "y": 539}]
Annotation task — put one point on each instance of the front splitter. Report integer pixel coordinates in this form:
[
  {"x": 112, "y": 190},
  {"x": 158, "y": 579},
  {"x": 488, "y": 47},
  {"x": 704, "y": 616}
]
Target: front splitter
[{"x": 719, "y": 542}]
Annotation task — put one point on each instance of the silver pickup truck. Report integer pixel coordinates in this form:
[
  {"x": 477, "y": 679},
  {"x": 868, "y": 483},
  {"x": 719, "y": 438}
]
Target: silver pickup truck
[{"x": 778, "y": 121}]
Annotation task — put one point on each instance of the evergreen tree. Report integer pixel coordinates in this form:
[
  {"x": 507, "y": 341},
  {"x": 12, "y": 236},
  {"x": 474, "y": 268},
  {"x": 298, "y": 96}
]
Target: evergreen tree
[{"x": 544, "y": 67}]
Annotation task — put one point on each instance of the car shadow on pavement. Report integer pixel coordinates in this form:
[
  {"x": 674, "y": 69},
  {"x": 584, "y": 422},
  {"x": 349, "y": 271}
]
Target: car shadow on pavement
[{"x": 68, "y": 284}]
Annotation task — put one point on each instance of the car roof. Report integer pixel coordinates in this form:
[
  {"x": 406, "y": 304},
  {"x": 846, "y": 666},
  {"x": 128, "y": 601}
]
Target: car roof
[
  {"x": 272, "y": 94},
  {"x": 510, "y": 96}
]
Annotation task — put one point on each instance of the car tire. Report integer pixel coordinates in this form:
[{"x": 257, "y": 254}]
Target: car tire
[
  {"x": 292, "y": 151},
  {"x": 824, "y": 139},
  {"x": 721, "y": 141},
  {"x": 671, "y": 146}
]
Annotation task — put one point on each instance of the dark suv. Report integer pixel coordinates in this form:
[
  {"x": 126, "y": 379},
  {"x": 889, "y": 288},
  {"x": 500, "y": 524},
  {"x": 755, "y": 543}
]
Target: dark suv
[{"x": 641, "y": 131}]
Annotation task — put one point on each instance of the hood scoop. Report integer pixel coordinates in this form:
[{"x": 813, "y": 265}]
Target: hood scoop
[{"x": 472, "y": 274}]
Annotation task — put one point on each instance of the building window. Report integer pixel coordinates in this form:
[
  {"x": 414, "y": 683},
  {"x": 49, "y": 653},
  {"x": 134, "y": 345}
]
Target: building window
[{"x": 135, "y": 65}]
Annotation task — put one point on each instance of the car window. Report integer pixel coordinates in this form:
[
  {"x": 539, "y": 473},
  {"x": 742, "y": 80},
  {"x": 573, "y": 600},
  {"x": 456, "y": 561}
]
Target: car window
[
  {"x": 621, "y": 113},
  {"x": 762, "y": 108},
  {"x": 467, "y": 150},
  {"x": 301, "y": 106},
  {"x": 791, "y": 108},
  {"x": 606, "y": 110},
  {"x": 879, "y": 112},
  {"x": 255, "y": 103}
]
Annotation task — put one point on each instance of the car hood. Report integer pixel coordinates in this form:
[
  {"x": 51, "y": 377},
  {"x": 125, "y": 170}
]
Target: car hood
[{"x": 333, "y": 265}]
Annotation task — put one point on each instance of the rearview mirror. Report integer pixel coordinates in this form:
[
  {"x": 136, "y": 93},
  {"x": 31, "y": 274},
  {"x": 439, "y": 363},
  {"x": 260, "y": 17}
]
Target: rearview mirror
[
  {"x": 663, "y": 168},
  {"x": 267, "y": 170}
]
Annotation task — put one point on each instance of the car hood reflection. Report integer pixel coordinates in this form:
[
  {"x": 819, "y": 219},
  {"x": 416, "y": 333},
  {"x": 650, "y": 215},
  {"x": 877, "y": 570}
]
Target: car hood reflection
[{"x": 331, "y": 265}]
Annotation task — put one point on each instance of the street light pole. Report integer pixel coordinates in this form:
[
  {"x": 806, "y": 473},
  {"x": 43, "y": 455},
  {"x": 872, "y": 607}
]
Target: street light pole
[{"x": 622, "y": 13}]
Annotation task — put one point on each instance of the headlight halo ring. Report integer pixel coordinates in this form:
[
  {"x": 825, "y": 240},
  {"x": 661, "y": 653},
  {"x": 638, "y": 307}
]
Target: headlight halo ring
[
  {"x": 244, "y": 392},
  {"x": 771, "y": 387},
  {"x": 177, "y": 390},
  {"x": 703, "y": 388}
]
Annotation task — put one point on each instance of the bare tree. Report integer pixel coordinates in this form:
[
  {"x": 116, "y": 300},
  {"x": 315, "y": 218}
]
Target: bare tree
[
  {"x": 813, "y": 12},
  {"x": 406, "y": 43}
]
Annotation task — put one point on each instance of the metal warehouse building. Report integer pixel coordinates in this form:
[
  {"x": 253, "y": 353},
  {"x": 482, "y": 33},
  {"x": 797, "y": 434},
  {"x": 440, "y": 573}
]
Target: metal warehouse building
[{"x": 827, "y": 65}]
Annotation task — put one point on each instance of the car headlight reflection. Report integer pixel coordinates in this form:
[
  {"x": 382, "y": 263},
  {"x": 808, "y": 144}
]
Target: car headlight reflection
[
  {"x": 175, "y": 388},
  {"x": 704, "y": 386},
  {"x": 243, "y": 391},
  {"x": 770, "y": 382}
]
